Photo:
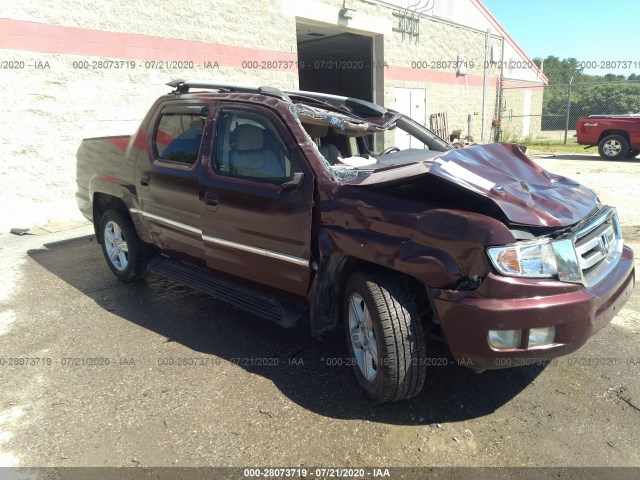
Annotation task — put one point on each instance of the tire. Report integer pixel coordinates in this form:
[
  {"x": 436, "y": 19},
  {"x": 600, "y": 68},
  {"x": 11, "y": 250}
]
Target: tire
[
  {"x": 633, "y": 153},
  {"x": 384, "y": 336},
  {"x": 123, "y": 250},
  {"x": 613, "y": 147}
]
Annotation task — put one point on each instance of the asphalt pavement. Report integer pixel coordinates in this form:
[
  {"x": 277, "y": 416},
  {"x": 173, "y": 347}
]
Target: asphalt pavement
[{"x": 98, "y": 373}]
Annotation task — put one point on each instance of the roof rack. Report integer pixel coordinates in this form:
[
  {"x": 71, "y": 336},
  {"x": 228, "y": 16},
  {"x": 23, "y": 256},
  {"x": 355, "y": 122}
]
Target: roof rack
[{"x": 183, "y": 86}]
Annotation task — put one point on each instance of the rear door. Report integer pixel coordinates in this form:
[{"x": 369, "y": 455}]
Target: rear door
[
  {"x": 168, "y": 180},
  {"x": 256, "y": 225}
]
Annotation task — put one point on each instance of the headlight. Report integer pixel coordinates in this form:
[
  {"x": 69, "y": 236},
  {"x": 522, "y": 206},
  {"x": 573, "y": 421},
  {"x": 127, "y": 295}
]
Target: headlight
[
  {"x": 544, "y": 259},
  {"x": 536, "y": 260}
]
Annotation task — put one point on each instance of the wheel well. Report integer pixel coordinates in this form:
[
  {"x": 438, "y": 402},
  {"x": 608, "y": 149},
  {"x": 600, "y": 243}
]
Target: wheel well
[
  {"x": 101, "y": 203},
  {"x": 355, "y": 264},
  {"x": 416, "y": 287},
  {"x": 331, "y": 283},
  {"x": 606, "y": 133}
]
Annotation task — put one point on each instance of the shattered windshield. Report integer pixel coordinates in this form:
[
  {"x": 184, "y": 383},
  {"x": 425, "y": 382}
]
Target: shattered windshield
[{"x": 352, "y": 147}]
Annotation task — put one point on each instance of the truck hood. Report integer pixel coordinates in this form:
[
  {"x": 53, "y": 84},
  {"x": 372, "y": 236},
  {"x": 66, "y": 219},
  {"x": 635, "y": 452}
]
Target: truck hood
[{"x": 525, "y": 193}]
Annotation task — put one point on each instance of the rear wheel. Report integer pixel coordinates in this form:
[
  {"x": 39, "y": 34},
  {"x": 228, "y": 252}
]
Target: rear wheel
[
  {"x": 122, "y": 248},
  {"x": 613, "y": 147},
  {"x": 384, "y": 336}
]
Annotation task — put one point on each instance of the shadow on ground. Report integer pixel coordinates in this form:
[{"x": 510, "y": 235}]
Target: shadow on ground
[{"x": 452, "y": 393}]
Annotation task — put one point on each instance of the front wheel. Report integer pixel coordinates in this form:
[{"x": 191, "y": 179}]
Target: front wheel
[
  {"x": 384, "y": 336},
  {"x": 122, "y": 248},
  {"x": 613, "y": 147}
]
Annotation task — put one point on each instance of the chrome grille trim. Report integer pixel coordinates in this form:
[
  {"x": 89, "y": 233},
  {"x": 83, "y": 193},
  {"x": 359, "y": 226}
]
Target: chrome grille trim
[
  {"x": 598, "y": 246},
  {"x": 603, "y": 216}
]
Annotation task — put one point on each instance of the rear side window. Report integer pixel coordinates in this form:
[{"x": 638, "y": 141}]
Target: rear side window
[{"x": 179, "y": 135}]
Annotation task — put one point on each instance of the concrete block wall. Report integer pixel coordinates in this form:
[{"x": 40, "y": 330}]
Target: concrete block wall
[
  {"x": 71, "y": 97},
  {"x": 458, "y": 101},
  {"x": 457, "y": 95},
  {"x": 52, "y": 108},
  {"x": 440, "y": 41},
  {"x": 246, "y": 23},
  {"x": 514, "y": 114}
]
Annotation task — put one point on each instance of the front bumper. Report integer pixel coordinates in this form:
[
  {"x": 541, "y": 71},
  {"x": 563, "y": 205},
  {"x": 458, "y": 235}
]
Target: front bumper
[{"x": 503, "y": 303}]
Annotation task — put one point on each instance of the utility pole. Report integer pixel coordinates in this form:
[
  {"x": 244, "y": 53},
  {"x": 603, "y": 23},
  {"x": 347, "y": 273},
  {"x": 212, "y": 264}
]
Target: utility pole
[
  {"x": 566, "y": 124},
  {"x": 484, "y": 83}
]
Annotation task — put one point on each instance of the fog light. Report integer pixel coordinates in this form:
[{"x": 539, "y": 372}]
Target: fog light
[
  {"x": 505, "y": 339},
  {"x": 541, "y": 336}
]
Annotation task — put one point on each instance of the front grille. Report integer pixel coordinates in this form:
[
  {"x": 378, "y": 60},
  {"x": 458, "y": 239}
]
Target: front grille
[{"x": 598, "y": 243}]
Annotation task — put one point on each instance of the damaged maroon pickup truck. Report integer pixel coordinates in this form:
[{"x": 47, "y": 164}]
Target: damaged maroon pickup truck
[{"x": 299, "y": 206}]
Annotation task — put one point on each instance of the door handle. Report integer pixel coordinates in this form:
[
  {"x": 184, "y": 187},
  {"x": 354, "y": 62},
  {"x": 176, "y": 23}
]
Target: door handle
[
  {"x": 212, "y": 199},
  {"x": 145, "y": 181}
]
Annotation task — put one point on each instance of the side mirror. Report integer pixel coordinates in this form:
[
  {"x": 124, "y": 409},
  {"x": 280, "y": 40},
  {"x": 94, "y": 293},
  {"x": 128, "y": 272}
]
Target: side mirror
[{"x": 294, "y": 183}]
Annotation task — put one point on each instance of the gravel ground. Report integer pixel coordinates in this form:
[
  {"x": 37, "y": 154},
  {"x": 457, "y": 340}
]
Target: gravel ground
[{"x": 133, "y": 408}]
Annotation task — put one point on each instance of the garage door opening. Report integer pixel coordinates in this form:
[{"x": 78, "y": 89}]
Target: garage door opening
[{"x": 335, "y": 62}]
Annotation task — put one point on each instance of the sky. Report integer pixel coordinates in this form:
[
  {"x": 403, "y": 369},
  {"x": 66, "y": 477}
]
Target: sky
[{"x": 587, "y": 30}]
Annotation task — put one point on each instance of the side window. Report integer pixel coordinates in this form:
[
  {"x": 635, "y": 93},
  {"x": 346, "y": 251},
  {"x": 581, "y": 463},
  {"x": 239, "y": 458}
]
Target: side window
[
  {"x": 179, "y": 134},
  {"x": 248, "y": 145}
]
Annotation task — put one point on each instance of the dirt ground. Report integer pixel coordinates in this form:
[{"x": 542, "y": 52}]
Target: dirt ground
[{"x": 135, "y": 405}]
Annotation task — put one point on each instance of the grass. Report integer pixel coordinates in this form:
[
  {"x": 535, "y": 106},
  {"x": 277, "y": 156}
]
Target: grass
[
  {"x": 556, "y": 146},
  {"x": 560, "y": 148}
]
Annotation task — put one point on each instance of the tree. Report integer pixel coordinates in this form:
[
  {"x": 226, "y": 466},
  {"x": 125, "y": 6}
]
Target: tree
[
  {"x": 610, "y": 77},
  {"x": 590, "y": 94},
  {"x": 561, "y": 71}
]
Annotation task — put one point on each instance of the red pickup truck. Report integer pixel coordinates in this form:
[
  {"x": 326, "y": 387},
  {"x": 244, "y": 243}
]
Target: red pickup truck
[
  {"x": 298, "y": 207},
  {"x": 617, "y": 136}
]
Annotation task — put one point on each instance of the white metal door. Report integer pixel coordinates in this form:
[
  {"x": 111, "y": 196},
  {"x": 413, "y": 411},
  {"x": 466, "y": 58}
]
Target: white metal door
[{"x": 411, "y": 102}]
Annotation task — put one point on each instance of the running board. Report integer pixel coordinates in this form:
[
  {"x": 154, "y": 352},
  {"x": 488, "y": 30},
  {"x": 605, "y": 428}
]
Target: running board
[{"x": 270, "y": 308}]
